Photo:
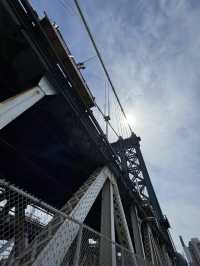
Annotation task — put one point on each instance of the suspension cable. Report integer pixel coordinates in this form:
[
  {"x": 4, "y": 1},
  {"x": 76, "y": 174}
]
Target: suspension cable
[{"x": 101, "y": 60}]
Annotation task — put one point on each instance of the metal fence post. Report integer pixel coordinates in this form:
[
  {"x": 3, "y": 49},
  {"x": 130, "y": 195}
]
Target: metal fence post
[
  {"x": 20, "y": 239},
  {"x": 137, "y": 232},
  {"x": 78, "y": 247},
  {"x": 123, "y": 263}
]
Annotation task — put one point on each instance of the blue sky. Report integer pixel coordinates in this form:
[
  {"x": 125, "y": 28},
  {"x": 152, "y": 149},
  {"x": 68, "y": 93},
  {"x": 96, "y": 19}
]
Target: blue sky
[{"x": 151, "y": 49}]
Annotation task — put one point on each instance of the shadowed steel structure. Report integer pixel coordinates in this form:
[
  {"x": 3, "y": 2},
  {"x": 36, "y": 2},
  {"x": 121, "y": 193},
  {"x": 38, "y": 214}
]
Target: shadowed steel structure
[{"x": 93, "y": 203}]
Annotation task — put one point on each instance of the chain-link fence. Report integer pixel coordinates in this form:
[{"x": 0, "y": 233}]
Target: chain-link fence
[{"x": 28, "y": 226}]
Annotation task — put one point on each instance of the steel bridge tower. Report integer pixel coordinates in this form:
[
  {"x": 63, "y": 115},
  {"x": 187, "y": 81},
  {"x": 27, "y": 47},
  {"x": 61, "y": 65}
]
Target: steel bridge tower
[{"x": 67, "y": 195}]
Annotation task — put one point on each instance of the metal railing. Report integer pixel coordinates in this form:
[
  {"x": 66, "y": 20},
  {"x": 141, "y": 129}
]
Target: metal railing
[{"x": 27, "y": 225}]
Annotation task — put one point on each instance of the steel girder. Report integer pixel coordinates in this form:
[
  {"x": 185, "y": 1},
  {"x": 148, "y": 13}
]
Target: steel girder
[
  {"x": 135, "y": 172},
  {"x": 55, "y": 240},
  {"x": 15, "y": 106},
  {"x": 107, "y": 250},
  {"x": 66, "y": 230}
]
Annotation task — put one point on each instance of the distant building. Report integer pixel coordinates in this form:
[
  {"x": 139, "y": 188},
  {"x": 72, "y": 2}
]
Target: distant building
[
  {"x": 192, "y": 252},
  {"x": 194, "y": 249}
]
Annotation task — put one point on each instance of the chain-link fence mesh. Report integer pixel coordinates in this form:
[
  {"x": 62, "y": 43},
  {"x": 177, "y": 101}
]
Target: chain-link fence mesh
[{"x": 28, "y": 225}]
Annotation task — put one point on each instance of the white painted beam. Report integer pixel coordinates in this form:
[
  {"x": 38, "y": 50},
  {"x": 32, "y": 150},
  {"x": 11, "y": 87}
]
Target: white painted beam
[
  {"x": 54, "y": 252},
  {"x": 13, "y": 107}
]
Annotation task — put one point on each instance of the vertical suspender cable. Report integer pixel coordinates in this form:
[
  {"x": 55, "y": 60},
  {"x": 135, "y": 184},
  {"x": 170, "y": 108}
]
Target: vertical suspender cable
[
  {"x": 106, "y": 110},
  {"x": 105, "y": 107},
  {"x": 108, "y": 104}
]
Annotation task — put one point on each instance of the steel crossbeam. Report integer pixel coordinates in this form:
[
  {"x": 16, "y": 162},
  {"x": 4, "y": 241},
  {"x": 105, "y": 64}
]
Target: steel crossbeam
[
  {"x": 15, "y": 106},
  {"x": 54, "y": 252},
  {"x": 136, "y": 226}
]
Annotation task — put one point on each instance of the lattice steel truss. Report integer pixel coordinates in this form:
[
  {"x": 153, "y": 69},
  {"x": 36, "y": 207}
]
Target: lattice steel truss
[
  {"x": 34, "y": 233},
  {"x": 134, "y": 168},
  {"x": 151, "y": 221}
]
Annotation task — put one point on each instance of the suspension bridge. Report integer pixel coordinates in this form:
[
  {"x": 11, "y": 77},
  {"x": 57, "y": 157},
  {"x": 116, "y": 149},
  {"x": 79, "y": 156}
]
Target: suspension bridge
[{"x": 73, "y": 190}]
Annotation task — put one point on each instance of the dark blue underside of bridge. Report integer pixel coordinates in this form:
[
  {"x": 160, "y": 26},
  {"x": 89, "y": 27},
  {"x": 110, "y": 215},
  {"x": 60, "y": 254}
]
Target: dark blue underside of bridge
[{"x": 46, "y": 152}]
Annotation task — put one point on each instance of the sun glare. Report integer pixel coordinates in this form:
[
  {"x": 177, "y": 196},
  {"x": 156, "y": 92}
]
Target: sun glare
[{"x": 131, "y": 119}]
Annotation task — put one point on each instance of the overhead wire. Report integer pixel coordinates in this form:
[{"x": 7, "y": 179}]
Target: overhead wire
[
  {"x": 120, "y": 119},
  {"x": 108, "y": 104},
  {"x": 105, "y": 110},
  {"x": 108, "y": 109},
  {"x": 102, "y": 113},
  {"x": 89, "y": 59},
  {"x": 79, "y": 13},
  {"x": 101, "y": 59},
  {"x": 68, "y": 7},
  {"x": 108, "y": 100},
  {"x": 115, "y": 107},
  {"x": 116, "y": 116}
]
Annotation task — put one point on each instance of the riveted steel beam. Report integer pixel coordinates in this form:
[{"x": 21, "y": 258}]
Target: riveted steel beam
[
  {"x": 54, "y": 252},
  {"x": 13, "y": 107},
  {"x": 107, "y": 249}
]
